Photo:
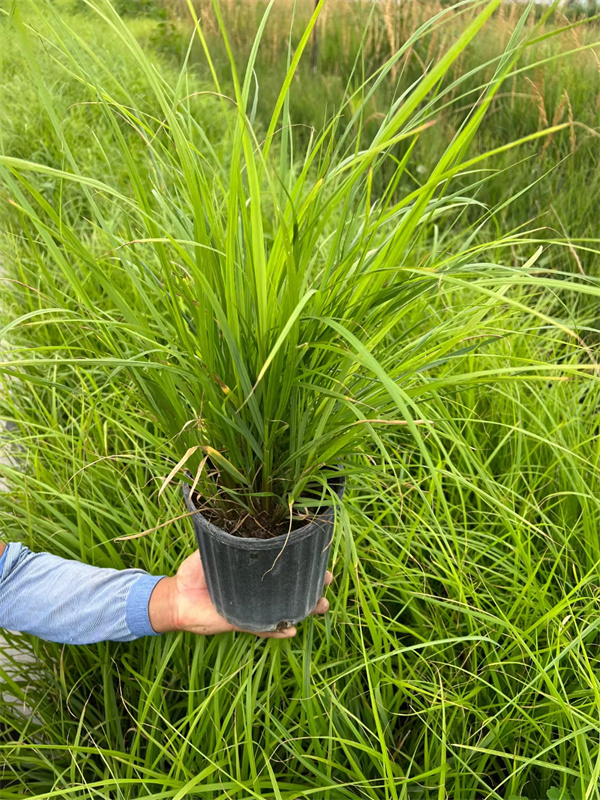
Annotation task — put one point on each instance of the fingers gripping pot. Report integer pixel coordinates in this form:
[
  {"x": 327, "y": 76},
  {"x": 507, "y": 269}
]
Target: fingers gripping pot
[{"x": 265, "y": 585}]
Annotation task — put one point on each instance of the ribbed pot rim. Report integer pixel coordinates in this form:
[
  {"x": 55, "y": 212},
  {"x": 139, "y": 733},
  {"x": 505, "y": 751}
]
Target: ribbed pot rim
[{"x": 260, "y": 544}]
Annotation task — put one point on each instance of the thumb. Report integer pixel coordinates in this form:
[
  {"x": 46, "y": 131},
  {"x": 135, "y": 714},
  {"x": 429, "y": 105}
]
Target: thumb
[{"x": 191, "y": 572}]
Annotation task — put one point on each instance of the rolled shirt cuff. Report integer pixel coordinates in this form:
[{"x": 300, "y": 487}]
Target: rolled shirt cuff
[
  {"x": 3, "y": 559},
  {"x": 137, "y": 614}
]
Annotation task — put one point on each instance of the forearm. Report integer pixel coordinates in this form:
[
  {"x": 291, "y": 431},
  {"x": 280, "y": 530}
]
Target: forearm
[{"x": 66, "y": 601}]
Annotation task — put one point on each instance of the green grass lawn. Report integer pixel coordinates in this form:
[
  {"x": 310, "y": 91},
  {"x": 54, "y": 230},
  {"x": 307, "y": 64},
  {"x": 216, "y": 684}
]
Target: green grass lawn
[{"x": 442, "y": 301}]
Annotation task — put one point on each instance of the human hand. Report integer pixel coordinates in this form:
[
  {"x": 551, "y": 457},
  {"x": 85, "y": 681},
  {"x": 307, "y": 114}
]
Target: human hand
[{"x": 182, "y": 603}]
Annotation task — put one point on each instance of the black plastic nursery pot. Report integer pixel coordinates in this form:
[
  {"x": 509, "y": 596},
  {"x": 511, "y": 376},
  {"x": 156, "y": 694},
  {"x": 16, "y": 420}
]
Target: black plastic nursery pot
[{"x": 265, "y": 585}]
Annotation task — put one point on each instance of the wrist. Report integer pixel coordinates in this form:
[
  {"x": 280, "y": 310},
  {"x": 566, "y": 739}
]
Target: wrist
[{"x": 162, "y": 606}]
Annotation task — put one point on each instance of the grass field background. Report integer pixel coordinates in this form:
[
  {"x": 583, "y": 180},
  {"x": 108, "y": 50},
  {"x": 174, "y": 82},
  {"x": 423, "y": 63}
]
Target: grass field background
[{"x": 460, "y": 657}]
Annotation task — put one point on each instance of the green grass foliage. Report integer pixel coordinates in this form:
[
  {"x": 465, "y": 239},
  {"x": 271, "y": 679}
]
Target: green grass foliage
[{"x": 187, "y": 273}]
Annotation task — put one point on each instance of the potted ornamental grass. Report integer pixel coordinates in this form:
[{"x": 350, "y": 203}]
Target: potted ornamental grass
[{"x": 255, "y": 294}]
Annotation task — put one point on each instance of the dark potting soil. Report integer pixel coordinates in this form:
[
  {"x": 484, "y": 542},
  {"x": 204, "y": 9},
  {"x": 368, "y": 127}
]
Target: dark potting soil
[{"x": 238, "y": 522}]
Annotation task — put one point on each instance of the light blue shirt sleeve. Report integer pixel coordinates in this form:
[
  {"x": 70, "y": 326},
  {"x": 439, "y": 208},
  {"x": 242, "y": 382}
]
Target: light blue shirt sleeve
[{"x": 73, "y": 603}]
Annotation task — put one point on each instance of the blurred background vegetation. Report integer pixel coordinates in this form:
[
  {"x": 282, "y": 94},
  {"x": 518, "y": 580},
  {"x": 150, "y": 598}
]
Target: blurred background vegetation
[{"x": 561, "y": 170}]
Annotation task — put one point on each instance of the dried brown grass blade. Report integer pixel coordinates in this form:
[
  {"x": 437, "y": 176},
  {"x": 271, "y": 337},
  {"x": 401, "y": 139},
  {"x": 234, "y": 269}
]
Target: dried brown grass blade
[{"x": 177, "y": 467}]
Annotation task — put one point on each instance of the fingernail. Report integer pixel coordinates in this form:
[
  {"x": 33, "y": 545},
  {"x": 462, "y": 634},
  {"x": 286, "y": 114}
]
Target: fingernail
[{"x": 287, "y": 633}]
